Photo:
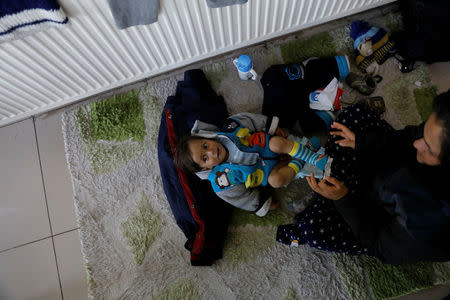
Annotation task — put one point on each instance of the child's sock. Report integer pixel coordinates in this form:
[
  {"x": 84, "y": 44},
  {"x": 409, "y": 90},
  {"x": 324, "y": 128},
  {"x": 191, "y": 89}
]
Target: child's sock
[
  {"x": 296, "y": 165},
  {"x": 301, "y": 152}
]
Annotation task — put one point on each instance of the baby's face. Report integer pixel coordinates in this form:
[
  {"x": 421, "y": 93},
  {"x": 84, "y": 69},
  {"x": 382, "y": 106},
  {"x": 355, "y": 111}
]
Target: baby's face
[{"x": 207, "y": 153}]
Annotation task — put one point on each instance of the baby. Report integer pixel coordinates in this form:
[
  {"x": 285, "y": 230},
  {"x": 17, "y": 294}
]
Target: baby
[{"x": 247, "y": 152}]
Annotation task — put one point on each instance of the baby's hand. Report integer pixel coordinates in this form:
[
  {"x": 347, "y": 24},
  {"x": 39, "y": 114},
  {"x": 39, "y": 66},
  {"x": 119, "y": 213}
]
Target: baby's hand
[
  {"x": 275, "y": 204},
  {"x": 280, "y": 132}
]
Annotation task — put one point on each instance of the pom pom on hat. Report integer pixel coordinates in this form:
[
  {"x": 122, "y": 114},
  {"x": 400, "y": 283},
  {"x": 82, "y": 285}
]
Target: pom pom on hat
[{"x": 358, "y": 28}]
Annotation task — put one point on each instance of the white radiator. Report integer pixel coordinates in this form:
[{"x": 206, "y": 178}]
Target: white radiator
[{"x": 53, "y": 68}]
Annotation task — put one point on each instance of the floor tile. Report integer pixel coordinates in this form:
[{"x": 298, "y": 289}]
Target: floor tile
[
  {"x": 29, "y": 272},
  {"x": 56, "y": 174},
  {"x": 23, "y": 212},
  {"x": 435, "y": 293},
  {"x": 71, "y": 266}
]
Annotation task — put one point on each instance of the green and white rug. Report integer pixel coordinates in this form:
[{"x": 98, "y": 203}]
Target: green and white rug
[{"x": 131, "y": 244}]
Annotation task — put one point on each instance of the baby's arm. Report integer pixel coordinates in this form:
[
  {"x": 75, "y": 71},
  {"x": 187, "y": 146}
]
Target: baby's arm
[
  {"x": 254, "y": 122},
  {"x": 257, "y": 200},
  {"x": 257, "y": 122}
]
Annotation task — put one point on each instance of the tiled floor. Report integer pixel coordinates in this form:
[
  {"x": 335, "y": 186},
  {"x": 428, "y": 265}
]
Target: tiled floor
[{"x": 40, "y": 256}]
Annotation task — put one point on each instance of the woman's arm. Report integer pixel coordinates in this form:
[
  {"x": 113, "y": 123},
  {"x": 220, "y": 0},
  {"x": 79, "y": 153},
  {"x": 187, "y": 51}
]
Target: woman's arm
[
  {"x": 384, "y": 236},
  {"x": 376, "y": 140},
  {"x": 388, "y": 144},
  {"x": 372, "y": 225},
  {"x": 377, "y": 230},
  {"x": 381, "y": 148}
]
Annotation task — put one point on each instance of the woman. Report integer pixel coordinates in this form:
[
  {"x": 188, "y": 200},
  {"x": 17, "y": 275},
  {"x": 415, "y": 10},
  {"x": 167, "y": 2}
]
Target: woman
[{"x": 388, "y": 196}]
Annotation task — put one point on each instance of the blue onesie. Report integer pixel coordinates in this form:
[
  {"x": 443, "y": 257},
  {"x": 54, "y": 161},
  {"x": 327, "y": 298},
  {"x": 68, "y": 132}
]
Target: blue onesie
[{"x": 253, "y": 153}]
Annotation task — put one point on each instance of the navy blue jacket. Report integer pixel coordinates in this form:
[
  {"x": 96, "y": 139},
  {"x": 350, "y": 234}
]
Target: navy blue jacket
[{"x": 200, "y": 214}]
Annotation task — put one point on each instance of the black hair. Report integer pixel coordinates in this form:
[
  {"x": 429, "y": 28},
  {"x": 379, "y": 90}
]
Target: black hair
[
  {"x": 441, "y": 106},
  {"x": 182, "y": 157}
]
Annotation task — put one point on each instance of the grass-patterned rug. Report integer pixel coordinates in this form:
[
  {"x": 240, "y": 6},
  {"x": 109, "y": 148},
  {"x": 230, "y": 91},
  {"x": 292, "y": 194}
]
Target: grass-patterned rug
[{"x": 130, "y": 242}]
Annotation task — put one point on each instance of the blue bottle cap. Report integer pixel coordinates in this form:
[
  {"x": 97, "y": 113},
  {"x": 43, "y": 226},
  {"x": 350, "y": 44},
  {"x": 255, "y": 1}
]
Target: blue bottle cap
[{"x": 244, "y": 63}]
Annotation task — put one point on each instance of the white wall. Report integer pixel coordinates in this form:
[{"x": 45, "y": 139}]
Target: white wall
[{"x": 53, "y": 68}]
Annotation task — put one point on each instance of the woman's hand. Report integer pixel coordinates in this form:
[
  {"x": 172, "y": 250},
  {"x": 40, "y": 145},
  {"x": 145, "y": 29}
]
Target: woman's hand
[
  {"x": 329, "y": 187},
  {"x": 280, "y": 132},
  {"x": 348, "y": 137}
]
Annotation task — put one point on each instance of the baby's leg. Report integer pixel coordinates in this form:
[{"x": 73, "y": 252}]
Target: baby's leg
[
  {"x": 284, "y": 172},
  {"x": 282, "y": 145}
]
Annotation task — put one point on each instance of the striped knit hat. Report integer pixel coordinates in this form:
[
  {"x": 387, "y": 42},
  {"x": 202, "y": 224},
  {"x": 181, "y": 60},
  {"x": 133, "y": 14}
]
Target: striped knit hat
[{"x": 382, "y": 46}]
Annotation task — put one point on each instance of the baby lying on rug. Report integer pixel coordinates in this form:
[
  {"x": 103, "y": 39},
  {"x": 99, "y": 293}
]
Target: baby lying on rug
[{"x": 247, "y": 152}]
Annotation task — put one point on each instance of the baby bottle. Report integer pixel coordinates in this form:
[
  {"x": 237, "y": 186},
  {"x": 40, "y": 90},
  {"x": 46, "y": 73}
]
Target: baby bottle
[{"x": 244, "y": 65}]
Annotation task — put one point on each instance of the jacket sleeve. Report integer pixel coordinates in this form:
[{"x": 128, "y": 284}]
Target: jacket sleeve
[
  {"x": 375, "y": 149},
  {"x": 257, "y": 122},
  {"x": 381, "y": 143},
  {"x": 383, "y": 236},
  {"x": 257, "y": 200}
]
